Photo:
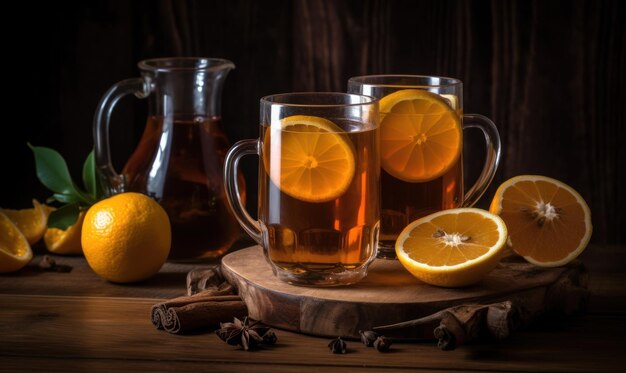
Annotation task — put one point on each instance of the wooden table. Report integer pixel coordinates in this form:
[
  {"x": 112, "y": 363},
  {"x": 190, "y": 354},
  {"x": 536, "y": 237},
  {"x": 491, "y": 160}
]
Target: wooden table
[{"x": 78, "y": 322}]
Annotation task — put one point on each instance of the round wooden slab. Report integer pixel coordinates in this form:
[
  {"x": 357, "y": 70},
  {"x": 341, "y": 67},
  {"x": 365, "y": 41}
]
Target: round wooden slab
[{"x": 388, "y": 295}]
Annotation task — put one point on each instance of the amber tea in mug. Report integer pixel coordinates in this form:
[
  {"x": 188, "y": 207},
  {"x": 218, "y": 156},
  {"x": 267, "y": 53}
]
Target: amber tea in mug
[
  {"x": 318, "y": 213},
  {"x": 421, "y": 134}
]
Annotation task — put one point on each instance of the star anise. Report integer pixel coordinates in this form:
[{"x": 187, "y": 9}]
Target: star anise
[
  {"x": 337, "y": 346},
  {"x": 247, "y": 333}
]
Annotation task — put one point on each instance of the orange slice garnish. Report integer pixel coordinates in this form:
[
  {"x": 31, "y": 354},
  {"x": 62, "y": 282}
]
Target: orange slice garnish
[
  {"x": 420, "y": 135},
  {"x": 549, "y": 222},
  {"x": 309, "y": 158}
]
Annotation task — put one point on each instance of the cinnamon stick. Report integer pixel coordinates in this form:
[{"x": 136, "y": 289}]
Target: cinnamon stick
[
  {"x": 181, "y": 315},
  {"x": 466, "y": 323},
  {"x": 213, "y": 302}
]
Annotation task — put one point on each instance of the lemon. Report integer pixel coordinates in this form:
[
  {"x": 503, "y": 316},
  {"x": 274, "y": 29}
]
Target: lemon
[
  {"x": 15, "y": 252},
  {"x": 451, "y": 248},
  {"x": 126, "y": 238}
]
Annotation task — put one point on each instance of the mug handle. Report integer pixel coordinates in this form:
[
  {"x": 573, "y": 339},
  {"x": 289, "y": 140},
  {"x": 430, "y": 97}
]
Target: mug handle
[
  {"x": 112, "y": 181},
  {"x": 492, "y": 142},
  {"x": 231, "y": 170}
]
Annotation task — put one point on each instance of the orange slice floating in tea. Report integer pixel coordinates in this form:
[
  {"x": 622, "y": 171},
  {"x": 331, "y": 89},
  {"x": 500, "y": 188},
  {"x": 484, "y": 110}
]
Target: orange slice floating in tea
[
  {"x": 31, "y": 222},
  {"x": 15, "y": 252},
  {"x": 450, "y": 248},
  {"x": 549, "y": 222},
  {"x": 420, "y": 135},
  {"x": 309, "y": 158}
]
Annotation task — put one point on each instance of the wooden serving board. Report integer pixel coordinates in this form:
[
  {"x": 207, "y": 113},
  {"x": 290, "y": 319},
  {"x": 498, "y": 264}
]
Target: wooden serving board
[{"x": 388, "y": 295}]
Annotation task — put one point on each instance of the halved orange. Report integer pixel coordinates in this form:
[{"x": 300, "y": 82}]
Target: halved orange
[
  {"x": 15, "y": 252},
  {"x": 31, "y": 222},
  {"x": 66, "y": 241},
  {"x": 549, "y": 222},
  {"x": 308, "y": 158},
  {"x": 420, "y": 135},
  {"x": 451, "y": 248}
]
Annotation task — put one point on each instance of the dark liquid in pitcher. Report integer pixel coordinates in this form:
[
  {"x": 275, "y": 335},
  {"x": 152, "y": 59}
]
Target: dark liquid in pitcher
[{"x": 179, "y": 161}]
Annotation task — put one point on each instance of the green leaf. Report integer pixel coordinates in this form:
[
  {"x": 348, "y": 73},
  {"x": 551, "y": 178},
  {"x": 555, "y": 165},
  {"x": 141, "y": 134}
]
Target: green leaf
[
  {"x": 65, "y": 198},
  {"x": 89, "y": 175},
  {"x": 52, "y": 171},
  {"x": 63, "y": 217}
]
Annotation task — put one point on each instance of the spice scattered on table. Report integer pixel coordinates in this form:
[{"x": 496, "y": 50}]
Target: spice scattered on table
[
  {"x": 337, "y": 346},
  {"x": 247, "y": 333},
  {"x": 368, "y": 337},
  {"x": 48, "y": 263},
  {"x": 210, "y": 303},
  {"x": 270, "y": 338},
  {"x": 382, "y": 344}
]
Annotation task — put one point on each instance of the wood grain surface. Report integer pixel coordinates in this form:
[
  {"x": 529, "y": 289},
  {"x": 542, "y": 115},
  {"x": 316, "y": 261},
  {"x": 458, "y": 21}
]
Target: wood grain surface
[
  {"x": 549, "y": 73},
  {"x": 388, "y": 295},
  {"x": 44, "y": 330}
]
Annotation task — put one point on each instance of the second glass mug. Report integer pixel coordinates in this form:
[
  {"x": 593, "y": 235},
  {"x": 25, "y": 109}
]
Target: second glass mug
[
  {"x": 422, "y": 149},
  {"x": 319, "y": 179}
]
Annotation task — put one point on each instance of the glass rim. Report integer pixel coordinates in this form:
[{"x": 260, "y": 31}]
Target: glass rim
[
  {"x": 169, "y": 64},
  {"x": 370, "y": 80},
  {"x": 278, "y": 99}
]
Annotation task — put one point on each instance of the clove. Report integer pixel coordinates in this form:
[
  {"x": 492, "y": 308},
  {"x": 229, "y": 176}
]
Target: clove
[
  {"x": 382, "y": 344},
  {"x": 368, "y": 337}
]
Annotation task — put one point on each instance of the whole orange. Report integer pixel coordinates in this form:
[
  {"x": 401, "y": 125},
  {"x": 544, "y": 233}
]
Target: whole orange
[{"x": 126, "y": 237}]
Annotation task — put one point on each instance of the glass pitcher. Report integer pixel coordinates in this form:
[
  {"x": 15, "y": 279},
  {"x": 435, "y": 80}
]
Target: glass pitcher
[{"x": 180, "y": 156}]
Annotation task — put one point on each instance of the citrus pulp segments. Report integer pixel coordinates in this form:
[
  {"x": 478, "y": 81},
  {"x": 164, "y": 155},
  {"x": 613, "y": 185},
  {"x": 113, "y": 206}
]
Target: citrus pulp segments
[
  {"x": 421, "y": 135},
  {"x": 316, "y": 162},
  {"x": 422, "y": 250},
  {"x": 553, "y": 243}
]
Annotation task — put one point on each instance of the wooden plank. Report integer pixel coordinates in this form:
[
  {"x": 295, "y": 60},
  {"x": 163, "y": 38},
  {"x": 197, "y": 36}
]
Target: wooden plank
[
  {"x": 13, "y": 364},
  {"x": 388, "y": 295},
  {"x": 79, "y": 331},
  {"x": 607, "y": 277},
  {"x": 169, "y": 282}
]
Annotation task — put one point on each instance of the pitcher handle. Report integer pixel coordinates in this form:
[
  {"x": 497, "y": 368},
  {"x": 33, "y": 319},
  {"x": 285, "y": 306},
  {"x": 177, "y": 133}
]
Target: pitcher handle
[
  {"x": 492, "y": 142},
  {"x": 231, "y": 167},
  {"x": 112, "y": 181}
]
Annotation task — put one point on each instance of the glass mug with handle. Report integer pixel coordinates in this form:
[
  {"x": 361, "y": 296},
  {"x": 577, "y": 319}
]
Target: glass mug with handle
[
  {"x": 421, "y": 134},
  {"x": 319, "y": 180}
]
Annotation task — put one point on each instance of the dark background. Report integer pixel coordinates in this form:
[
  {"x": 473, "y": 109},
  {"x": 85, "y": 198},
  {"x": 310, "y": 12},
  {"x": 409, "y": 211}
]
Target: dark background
[{"x": 551, "y": 74}]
